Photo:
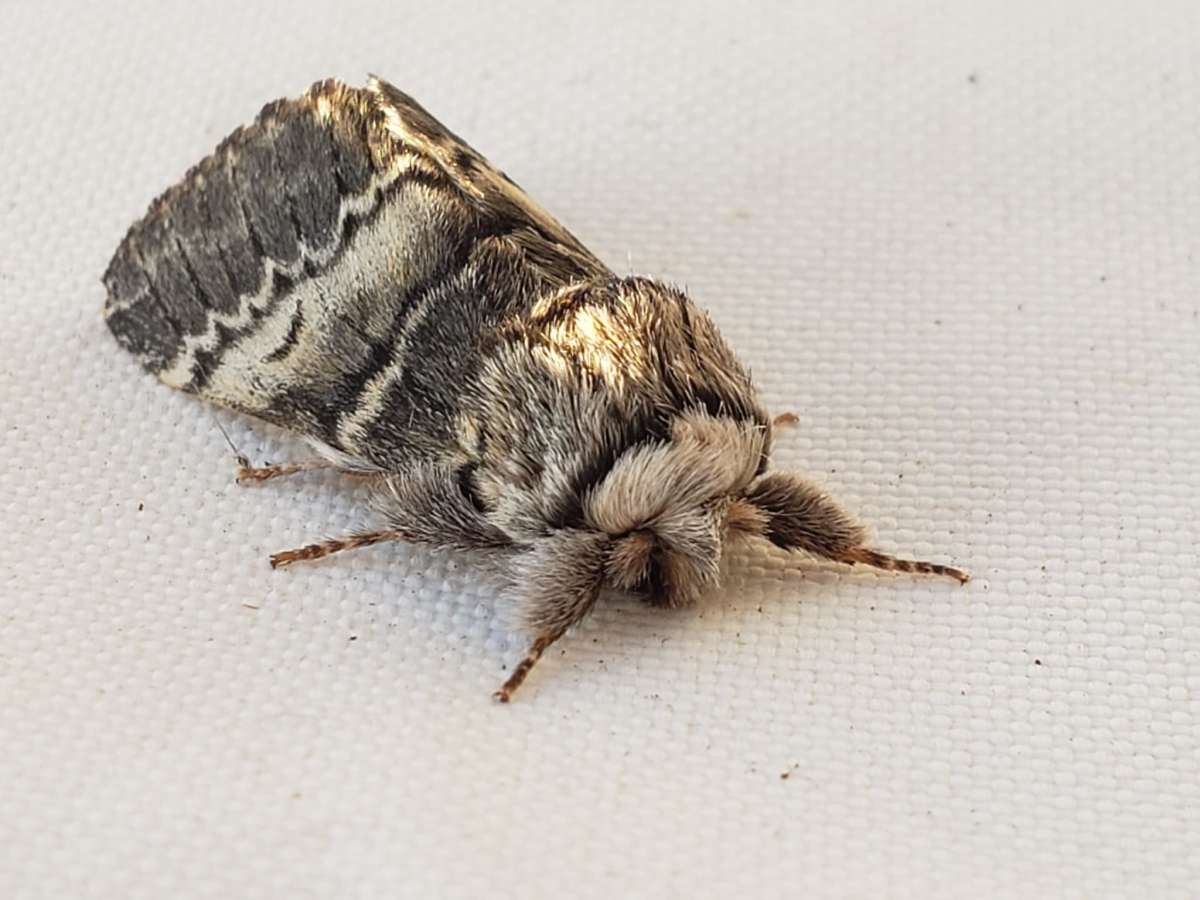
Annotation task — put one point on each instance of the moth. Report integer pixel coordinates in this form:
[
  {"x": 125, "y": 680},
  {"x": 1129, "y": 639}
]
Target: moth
[{"x": 347, "y": 268}]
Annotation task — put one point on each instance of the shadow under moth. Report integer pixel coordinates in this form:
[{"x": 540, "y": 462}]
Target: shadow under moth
[{"x": 347, "y": 268}]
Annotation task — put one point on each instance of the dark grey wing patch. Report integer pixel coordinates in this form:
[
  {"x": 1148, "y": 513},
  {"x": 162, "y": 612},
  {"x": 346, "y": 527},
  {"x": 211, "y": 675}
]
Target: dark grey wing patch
[
  {"x": 213, "y": 252},
  {"x": 303, "y": 149},
  {"x": 296, "y": 272},
  {"x": 141, "y": 324},
  {"x": 262, "y": 186}
]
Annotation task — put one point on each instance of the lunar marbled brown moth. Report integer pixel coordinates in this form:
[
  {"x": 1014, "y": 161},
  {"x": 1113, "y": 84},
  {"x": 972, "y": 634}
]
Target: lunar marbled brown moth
[{"x": 347, "y": 268}]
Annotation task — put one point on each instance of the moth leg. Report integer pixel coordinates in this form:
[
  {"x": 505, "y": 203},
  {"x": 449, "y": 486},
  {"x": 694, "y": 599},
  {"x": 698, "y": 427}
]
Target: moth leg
[
  {"x": 892, "y": 564},
  {"x": 518, "y": 674},
  {"x": 561, "y": 575},
  {"x": 785, "y": 420},
  {"x": 795, "y": 515},
  {"x": 324, "y": 548},
  {"x": 247, "y": 473}
]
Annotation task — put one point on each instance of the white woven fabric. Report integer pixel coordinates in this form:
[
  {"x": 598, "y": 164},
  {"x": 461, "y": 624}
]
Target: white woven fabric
[{"x": 958, "y": 240}]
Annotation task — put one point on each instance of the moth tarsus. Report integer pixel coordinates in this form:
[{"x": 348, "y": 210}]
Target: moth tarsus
[
  {"x": 893, "y": 564},
  {"x": 334, "y": 545},
  {"x": 347, "y": 268},
  {"x": 247, "y": 474},
  {"x": 522, "y": 669}
]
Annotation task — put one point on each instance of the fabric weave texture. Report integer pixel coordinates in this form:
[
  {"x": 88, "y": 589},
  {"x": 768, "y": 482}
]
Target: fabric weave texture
[{"x": 959, "y": 241}]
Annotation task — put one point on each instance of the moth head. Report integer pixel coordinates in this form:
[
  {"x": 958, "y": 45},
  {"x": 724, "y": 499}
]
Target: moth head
[
  {"x": 666, "y": 505},
  {"x": 656, "y": 524}
]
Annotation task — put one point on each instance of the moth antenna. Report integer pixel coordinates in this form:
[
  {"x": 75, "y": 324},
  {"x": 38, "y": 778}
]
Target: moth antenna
[
  {"x": 241, "y": 460},
  {"x": 893, "y": 564}
]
